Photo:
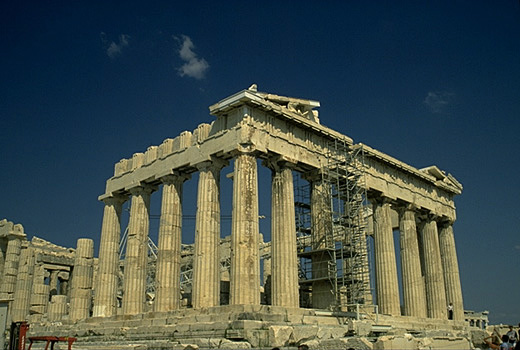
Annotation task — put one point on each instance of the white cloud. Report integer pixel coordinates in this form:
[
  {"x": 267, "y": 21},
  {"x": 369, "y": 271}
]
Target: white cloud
[
  {"x": 438, "y": 101},
  {"x": 114, "y": 49},
  {"x": 194, "y": 66}
]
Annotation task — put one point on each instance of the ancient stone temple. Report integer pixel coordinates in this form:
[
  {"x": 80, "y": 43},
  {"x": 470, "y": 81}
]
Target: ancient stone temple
[{"x": 327, "y": 276}]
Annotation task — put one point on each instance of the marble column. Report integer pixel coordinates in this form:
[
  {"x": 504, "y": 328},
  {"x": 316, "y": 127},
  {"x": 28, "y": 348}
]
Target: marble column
[
  {"x": 22, "y": 293},
  {"x": 105, "y": 299},
  {"x": 12, "y": 256},
  {"x": 40, "y": 293},
  {"x": 284, "y": 266},
  {"x": 169, "y": 248},
  {"x": 57, "y": 308},
  {"x": 414, "y": 297},
  {"x": 136, "y": 257},
  {"x": 433, "y": 273},
  {"x": 206, "y": 262},
  {"x": 53, "y": 282},
  {"x": 387, "y": 287},
  {"x": 245, "y": 262},
  {"x": 3, "y": 248},
  {"x": 321, "y": 224},
  {"x": 450, "y": 267},
  {"x": 81, "y": 284}
]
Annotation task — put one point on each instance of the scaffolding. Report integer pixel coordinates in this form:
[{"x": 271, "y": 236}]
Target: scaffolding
[{"x": 332, "y": 242}]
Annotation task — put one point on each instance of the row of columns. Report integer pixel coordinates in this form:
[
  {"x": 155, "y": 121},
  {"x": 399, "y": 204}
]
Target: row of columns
[
  {"x": 245, "y": 260},
  {"x": 426, "y": 290},
  {"x": 429, "y": 267},
  {"x": 31, "y": 293}
]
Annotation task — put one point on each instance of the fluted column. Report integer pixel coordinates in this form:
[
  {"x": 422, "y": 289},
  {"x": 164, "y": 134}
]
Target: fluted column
[
  {"x": 22, "y": 293},
  {"x": 284, "y": 266},
  {"x": 40, "y": 293},
  {"x": 433, "y": 274},
  {"x": 245, "y": 263},
  {"x": 105, "y": 300},
  {"x": 450, "y": 267},
  {"x": 136, "y": 257},
  {"x": 167, "y": 279},
  {"x": 387, "y": 288},
  {"x": 53, "y": 282},
  {"x": 321, "y": 224},
  {"x": 81, "y": 284},
  {"x": 10, "y": 273},
  {"x": 414, "y": 297},
  {"x": 206, "y": 262},
  {"x": 3, "y": 248}
]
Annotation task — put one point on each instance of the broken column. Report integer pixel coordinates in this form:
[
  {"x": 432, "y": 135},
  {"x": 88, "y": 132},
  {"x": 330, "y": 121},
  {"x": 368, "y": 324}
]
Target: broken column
[
  {"x": 105, "y": 300},
  {"x": 53, "y": 282},
  {"x": 206, "y": 259},
  {"x": 3, "y": 248},
  {"x": 40, "y": 293},
  {"x": 451, "y": 270},
  {"x": 414, "y": 297},
  {"x": 136, "y": 257},
  {"x": 245, "y": 263},
  {"x": 23, "y": 289},
  {"x": 321, "y": 224},
  {"x": 284, "y": 276},
  {"x": 387, "y": 288},
  {"x": 169, "y": 246},
  {"x": 57, "y": 308},
  {"x": 12, "y": 256},
  {"x": 433, "y": 272},
  {"x": 81, "y": 285}
]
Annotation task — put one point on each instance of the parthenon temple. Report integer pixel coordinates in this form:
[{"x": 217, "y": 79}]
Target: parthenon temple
[{"x": 361, "y": 250}]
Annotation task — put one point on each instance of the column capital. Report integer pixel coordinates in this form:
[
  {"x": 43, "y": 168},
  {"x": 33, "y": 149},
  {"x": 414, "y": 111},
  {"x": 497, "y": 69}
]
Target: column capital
[
  {"x": 445, "y": 222},
  {"x": 142, "y": 189},
  {"x": 175, "y": 177},
  {"x": 277, "y": 162},
  {"x": 212, "y": 164},
  {"x": 312, "y": 175},
  {"x": 428, "y": 215},
  {"x": 402, "y": 207},
  {"x": 115, "y": 199},
  {"x": 380, "y": 198}
]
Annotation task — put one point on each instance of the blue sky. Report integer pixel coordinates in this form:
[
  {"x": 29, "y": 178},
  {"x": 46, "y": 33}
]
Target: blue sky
[{"x": 84, "y": 84}]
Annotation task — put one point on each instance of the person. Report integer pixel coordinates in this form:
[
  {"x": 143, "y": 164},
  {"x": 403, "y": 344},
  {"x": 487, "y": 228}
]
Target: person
[
  {"x": 517, "y": 347},
  {"x": 450, "y": 311},
  {"x": 493, "y": 341},
  {"x": 512, "y": 337},
  {"x": 303, "y": 347},
  {"x": 505, "y": 343}
]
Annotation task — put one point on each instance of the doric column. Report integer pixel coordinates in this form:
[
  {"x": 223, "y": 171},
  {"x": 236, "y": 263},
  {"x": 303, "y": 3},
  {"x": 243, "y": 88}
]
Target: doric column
[
  {"x": 284, "y": 262},
  {"x": 433, "y": 274},
  {"x": 167, "y": 294},
  {"x": 53, "y": 282},
  {"x": 105, "y": 300},
  {"x": 321, "y": 224},
  {"x": 206, "y": 262},
  {"x": 245, "y": 263},
  {"x": 22, "y": 293},
  {"x": 136, "y": 256},
  {"x": 450, "y": 267},
  {"x": 3, "y": 248},
  {"x": 40, "y": 293},
  {"x": 12, "y": 256},
  {"x": 81, "y": 284},
  {"x": 387, "y": 288},
  {"x": 414, "y": 297}
]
